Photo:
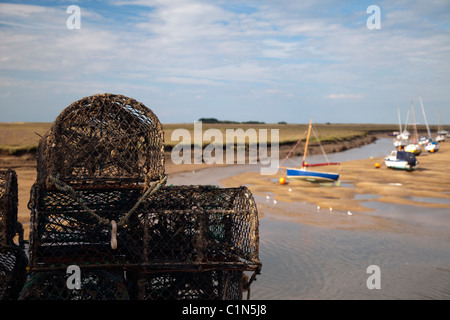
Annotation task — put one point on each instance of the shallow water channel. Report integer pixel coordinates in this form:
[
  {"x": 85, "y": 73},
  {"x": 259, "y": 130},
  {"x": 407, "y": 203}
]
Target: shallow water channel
[{"x": 302, "y": 261}]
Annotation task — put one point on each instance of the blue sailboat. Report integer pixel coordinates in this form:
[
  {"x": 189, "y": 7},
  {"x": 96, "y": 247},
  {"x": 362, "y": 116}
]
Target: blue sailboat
[
  {"x": 318, "y": 176},
  {"x": 311, "y": 175}
]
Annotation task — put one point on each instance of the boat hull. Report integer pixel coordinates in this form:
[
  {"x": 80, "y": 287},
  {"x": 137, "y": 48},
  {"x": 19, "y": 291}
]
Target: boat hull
[
  {"x": 311, "y": 175},
  {"x": 401, "y": 160},
  {"x": 398, "y": 164},
  {"x": 432, "y": 147},
  {"x": 413, "y": 148}
]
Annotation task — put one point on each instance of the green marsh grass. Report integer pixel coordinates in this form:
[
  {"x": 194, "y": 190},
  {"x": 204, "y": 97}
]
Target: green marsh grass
[{"x": 19, "y": 137}]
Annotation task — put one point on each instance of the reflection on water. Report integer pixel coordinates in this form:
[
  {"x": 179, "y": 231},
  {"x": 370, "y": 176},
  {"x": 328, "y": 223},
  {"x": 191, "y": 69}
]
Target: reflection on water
[
  {"x": 302, "y": 261},
  {"x": 430, "y": 200},
  {"x": 379, "y": 148},
  {"x": 436, "y": 218},
  {"x": 366, "y": 196},
  {"x": 306, "y": 262}
]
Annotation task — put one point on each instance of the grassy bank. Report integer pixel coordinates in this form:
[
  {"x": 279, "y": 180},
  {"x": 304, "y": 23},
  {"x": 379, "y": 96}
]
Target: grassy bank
[
  {"x": 18, "y": 138},
  {"x": 288, "y": 133},
  {"x": 21, "y": 137}
]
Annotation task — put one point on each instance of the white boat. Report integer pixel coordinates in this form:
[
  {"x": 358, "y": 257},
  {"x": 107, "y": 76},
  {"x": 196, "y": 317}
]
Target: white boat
[
  {"x": 444, "y": 133},
  {"x": 400, "y": 142},
  {"x": 441, "y": 133},
  {"x": 440, "y": 138},
  {"x": 401, "y": 160},
  {"x": 413, "y": 148},
  {"x": 402, "y": 139},
  {"x": 432, "y": 146},
  {"x": 423, "y": 140},
  {"x": 404, "y": 135}
]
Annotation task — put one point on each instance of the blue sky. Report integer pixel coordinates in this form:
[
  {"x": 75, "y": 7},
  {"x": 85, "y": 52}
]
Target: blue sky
[{"x": 233, "y": 60}]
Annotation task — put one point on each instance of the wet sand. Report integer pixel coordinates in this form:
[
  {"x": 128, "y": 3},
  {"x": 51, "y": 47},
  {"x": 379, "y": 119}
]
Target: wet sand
[
  {"x": 361, "y": 177},
  {"x": 360, "y": 182},
  {"x": 400, "y": 222}
]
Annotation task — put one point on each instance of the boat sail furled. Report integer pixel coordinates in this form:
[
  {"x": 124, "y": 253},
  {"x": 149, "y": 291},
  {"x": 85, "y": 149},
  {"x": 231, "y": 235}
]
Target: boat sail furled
[{"x": 311, "y": 175}]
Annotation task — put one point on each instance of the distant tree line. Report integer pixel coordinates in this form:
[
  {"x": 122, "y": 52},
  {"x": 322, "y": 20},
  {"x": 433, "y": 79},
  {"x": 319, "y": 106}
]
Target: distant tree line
[{"x": 214, "y": 120}]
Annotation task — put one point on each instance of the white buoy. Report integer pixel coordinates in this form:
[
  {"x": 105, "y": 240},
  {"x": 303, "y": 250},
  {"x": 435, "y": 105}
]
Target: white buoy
[
  {"x": 267, "y": 197},
  {"x": 331, "y": 209},
  {"x": 290, "y": 189},
  {"x": 349, "y": 213},
  {"x": 318, "y": 208},
  {"x": 275, "y": 201}
]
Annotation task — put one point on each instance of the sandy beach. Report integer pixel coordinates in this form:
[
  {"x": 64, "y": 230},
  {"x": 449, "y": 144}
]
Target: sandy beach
[
  {"x": 360, "y": 181},
  {"x": 431, "y": 179}
]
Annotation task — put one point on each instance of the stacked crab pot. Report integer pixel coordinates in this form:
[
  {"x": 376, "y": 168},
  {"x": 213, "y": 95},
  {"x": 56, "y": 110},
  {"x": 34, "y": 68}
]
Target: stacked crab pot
[{"x": 100, "y": 204}]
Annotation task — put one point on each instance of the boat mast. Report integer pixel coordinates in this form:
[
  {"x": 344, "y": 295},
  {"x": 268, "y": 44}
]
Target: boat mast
[
  {"x": 416, "y": 138},
  {"x": 306, "y": 144},
  {"x": 406, "y": 123},
  {"x": 425, "y": 117}
]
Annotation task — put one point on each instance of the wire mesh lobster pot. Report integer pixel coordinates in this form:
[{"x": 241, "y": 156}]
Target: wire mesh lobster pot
[
  {"x": 65, "y": 233},
  {"x": 100, "y": 202},
  {"x": 13, "y": 261},
  {"x": 103, "y": 139},
  {"x": 97, "y": 163},
  {"x": 199, "y": 242},
  {"x": 178, "y": 226},
  {"x": 201, "y": 225},
  {"x": 199, "y": 238}
]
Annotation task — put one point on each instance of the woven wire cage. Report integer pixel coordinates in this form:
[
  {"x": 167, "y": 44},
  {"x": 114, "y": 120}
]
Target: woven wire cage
[
  {"x": 13, "y": 261},
  {"x": 9, "y": 225},
  {"x": 100, "y": 202},
  {"x": 103, "y": 139},
  {"x": 202, "y": 225},
  {"x": 178, "y": 227},
  {"x": 64, "y": 233},
  {"x": 204, "y": 285}
]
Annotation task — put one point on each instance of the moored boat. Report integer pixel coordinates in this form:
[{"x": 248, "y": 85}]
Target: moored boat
[
  {"x": 413, "y": 148},
  {"x": 311, "y": 175},
  {"x": 316, "y": 176},
  {"x": 440, "y": 138},
  {"x": 401, "y": 160},
  {"x": 432, "y": 146}
]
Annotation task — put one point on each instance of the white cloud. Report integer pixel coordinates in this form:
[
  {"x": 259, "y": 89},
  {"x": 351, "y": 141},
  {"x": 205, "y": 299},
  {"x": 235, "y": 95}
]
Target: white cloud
[
  {"x": 20, "y": 10},
  {"x": 296, "y": 49},
  {"x": 188, "y": 81},
  {"x": 344, "y": 96}
]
